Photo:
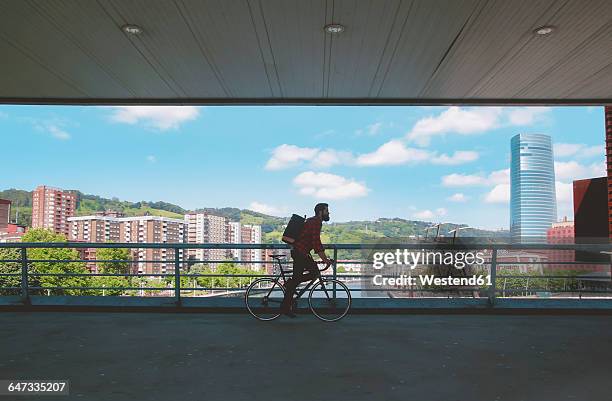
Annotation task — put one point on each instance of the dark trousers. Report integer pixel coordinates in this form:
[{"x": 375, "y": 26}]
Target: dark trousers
[{"x": 304, "y": 269}]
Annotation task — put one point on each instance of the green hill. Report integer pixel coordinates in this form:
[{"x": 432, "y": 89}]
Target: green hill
[
  {"x": 21, "y": 208},
  {"x": 352, "y": 232}
]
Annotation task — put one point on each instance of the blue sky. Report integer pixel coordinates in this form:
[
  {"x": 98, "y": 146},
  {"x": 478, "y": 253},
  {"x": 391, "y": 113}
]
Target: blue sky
[{"x": 440, "y": 164}]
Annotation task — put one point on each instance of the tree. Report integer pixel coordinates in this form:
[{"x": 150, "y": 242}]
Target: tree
[
  {"x": 10, "y": 268},
  {"x": 109, "y": 284},
  {"x": 113, "y": 254},
  {"x": 70, "y": 264}
]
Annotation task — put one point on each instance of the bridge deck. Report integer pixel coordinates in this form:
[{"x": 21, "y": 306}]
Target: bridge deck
[{"x": 190, "y": 356}]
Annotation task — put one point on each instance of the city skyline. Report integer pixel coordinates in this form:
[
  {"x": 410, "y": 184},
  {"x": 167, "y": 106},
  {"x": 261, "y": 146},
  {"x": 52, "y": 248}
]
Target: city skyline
[{"x": 417, "y": 163}]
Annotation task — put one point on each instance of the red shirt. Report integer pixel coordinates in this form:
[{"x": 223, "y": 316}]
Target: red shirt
[{"x": 310, "y": 237}]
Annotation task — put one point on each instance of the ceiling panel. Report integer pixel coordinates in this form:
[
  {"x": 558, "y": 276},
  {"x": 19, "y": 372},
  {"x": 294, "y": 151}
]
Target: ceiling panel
[
  {"x": 276, "y": 51},
  {"x": 99, "y": 40},
  {"x": 371, "y": 29},
  {"x": 428, "y": 31},
  {"x": 22, "y": 74},
  {"x": 169, "y": 45},
  {"x": 226, "y": 33},
  {"x": 294, "y": 31},
  {"x": 541, "y": 67},
  {"x": 35, "y": 36},
  {"x": 490, "y": 40}
]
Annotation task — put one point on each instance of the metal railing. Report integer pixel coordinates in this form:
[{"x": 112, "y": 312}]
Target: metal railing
[{"x": 22, "y": 269}]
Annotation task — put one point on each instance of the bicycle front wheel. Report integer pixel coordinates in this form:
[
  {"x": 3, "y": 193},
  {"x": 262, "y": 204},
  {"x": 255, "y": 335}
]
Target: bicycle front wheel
[
  {"x": 263, "y": 298},
  {"x": 329, "y": 299}
]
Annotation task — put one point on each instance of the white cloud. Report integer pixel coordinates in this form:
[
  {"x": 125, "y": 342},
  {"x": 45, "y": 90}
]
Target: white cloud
[
  {"x": 161, "y": 118},
  {"x": 285, "y": 156},
  {"x": 472, "y": 120},
  {"x": 151, "y": 159},
  {"x": 472, "y": 180},
  {"x": 463, "y": 180},
  {"x": 429, "y": 214},
  {"x": 459, "y": 157},
  {"x": 565, "y": 199},
  {"x": 266, "y": 209},
  {"x": 458, "y": 197},
  {"x": 572, "y": 170},
  {"x": 329, "y": 186},
  {"x": 565, "y": 192},
  {"x": 57, "y": 132},
  {"x": 455, "y": 119},
  {"x": 499, "y": 176},
  {"x": 499, "y": 194},
  {"x": 54, "y": 127},
  {"x": 578, "y": 150},
  {"x": 526, "y": 115},
  {"x": 393, "y": 153},
  {"x": 330, "y": 157}
]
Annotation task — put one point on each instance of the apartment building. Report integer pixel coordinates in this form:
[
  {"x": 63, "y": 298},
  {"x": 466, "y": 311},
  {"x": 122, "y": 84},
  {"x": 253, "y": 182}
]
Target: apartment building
[
  {"x": 251, "y": 234},
  {"x": 235, "y": 229},
  {"x": 153, "y": 229},
  {"x": 5, "y": 211},
  {"x": 203, "y": 228},
  {"x": 96, "y": 228},
  {"x": 51, "y": 208},
  {"x": 141, "y": 229}
]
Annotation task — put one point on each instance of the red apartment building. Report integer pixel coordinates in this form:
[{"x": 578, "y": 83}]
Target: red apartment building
[
  {"x": 5, "y": 210},
  {"x": 51, "y": 208},
  {"x": 142, "y": 229},
  {"x": 153, "y": 229}
]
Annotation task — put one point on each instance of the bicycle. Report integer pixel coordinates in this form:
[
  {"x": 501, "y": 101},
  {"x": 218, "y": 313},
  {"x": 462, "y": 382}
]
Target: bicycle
[{"x": 264, "y": 296}]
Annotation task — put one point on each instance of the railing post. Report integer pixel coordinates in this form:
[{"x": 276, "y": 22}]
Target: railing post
[
  {"x": 25, "y": 294},
  {"x": 493, "y": 287},
  {"x": 177, "y": 277},
  {"x": 334, "y": 268}
]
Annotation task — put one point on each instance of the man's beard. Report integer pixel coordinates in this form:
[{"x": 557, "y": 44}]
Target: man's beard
[{"x": 325, "y": 218}]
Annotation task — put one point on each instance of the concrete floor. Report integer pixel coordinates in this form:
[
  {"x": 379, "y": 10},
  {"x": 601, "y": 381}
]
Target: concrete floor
[{"x": 189, "y": 356}]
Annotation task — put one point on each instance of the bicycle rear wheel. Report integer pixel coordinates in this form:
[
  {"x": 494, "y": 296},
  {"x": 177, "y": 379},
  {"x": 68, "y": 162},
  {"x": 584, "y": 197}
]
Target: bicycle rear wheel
[
  {"x": 263, "y": 298},
  {"x": 328, "y": 304}
]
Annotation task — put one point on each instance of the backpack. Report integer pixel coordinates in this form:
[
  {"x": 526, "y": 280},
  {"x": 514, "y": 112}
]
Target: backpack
[{"x": 294, "y": 229}]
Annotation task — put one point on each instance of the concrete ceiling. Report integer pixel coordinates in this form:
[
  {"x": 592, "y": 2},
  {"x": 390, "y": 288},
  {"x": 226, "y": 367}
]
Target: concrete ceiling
[{"x": 276, "y": 51}]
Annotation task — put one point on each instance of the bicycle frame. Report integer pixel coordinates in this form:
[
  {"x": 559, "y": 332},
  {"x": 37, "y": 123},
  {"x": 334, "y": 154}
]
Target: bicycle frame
[{"x": 305, "y": 288}]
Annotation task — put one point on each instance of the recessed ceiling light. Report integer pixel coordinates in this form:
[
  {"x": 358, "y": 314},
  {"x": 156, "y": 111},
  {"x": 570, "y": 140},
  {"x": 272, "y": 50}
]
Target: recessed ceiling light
[
  {"x": 131, "y": 29},
  {"x": 544, "y": 30},
  {"x": 334, "y": 28}
]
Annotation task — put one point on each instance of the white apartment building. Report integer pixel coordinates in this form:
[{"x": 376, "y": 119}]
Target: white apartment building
[
  {"x": 140, "y": 229},
  {"x": 251, "y": 234},
  {"x": 235, "y": 238},
  {"x": 206, "y": 228}
]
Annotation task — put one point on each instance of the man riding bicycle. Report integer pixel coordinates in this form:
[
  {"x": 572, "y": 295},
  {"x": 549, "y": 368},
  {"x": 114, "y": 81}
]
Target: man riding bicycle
[{"x": 304, "y": 266}]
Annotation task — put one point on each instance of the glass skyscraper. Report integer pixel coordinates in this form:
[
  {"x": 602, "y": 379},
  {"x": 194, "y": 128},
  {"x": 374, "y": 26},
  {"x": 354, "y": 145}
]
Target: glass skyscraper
[{"x": 533, "y": 203}]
